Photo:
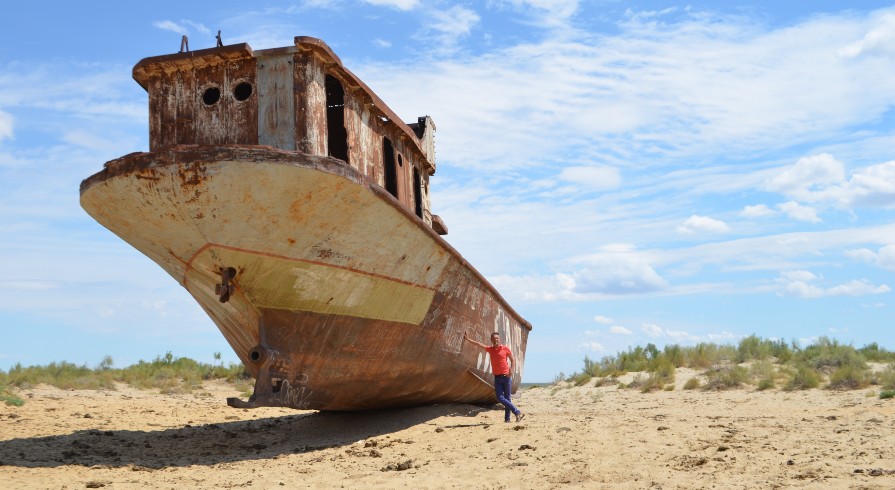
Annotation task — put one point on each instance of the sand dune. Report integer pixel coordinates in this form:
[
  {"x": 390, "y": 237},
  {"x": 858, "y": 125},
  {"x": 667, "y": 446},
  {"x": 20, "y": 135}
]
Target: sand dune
[{"x": 584, "y": 437}]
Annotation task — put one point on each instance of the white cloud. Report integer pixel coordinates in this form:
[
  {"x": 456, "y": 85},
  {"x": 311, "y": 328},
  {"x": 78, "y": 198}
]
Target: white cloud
[
  {"x": 807, "y": 175},
  {"x": 799, "y": 212},
  {"x": 757, "y": 211},
  {"x": 885, "y": 258},
  {"x": 182, "y": 28},
  {"x": 652, "y": 329},
  {"x": 547, "y": 13},
  {"x": 879, "y": 40},
  {"x": 382, "y": 43},
  {"x": 859, "y": 287},
  {"x": 605, "y": 320},
  {"x": 169, "y": 25},
  {"x": 723, "y": 336},
  {"x": 592, "y": 346},
  {"x": 6, "y": 125},
  {"x": 801, "y": 284},
  {"x": 702, "y": 224},
  {"x": 453, "y": 23},
  {"x": 799, "y": 275},
  {"x": 649, "y": 73},
  {"x": 821, "y": 179},
  {"x": 603, "y": 277},
  {"x": 396, "y": 4},
  {"x": 620, "y": 330},
  {"x": 616, "y": 275},
  {"x": 594, "y": 178},
  {"x": 872, "y": 186}
]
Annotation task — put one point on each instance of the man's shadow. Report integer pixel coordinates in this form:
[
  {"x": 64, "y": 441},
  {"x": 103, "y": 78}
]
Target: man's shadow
[{"x": 225, "y": 442}]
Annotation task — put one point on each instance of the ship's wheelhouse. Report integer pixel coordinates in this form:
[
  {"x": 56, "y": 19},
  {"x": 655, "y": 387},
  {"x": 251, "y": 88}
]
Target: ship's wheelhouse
[{"x": 297, "y": 98}]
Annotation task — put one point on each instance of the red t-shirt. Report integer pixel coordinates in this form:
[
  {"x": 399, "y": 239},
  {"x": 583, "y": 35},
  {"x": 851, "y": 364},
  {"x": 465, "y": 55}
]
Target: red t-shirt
[{"x": 499, "y": 355}]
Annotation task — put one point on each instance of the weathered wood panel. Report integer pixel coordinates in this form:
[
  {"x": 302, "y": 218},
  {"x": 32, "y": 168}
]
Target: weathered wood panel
[{"x": 276, "y": 101}]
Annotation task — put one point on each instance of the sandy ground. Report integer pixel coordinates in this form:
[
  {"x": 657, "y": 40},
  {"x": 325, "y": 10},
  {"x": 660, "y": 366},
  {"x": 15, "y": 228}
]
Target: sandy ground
[{"x": 584, "y": 437}]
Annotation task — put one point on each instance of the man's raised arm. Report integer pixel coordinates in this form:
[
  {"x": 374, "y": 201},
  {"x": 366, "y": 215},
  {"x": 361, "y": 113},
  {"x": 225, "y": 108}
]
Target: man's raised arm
[{"x": 466, "y": 337}]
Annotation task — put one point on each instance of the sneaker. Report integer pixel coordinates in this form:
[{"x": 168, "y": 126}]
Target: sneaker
[{"x": 520, "y": 416}]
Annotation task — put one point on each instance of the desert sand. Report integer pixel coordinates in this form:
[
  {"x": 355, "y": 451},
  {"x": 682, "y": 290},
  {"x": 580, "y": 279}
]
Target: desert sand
[{"x": 571, "y": 437}]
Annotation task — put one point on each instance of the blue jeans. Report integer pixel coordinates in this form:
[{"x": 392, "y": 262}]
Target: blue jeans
[{"x": 502, "y": 386}]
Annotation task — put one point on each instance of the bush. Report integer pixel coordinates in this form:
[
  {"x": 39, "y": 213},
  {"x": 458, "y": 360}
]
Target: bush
[
  {"x": 849, "y": 377},
  {"x": 765, "y": 384},
  {"x": 886, "y": 378},
  {"x": 702, "y": 356},
  {"x": 691, "y": 384},
  {"x": 874, "y": 353},
  {"x": 804, "y": 378},
  {"x": 10, "y": 398},
  {"x": 828, "y": 355},
  {"x": 662, "y": 373},
  {"x": 886, "y": 394},
  {"x": 726, "y": 378},
  {"x": 762, "y": 370},
  {"x": 675, "y": 355},
  {"x": 579, "y": 379},
  {"x": 752, "y": 348}
]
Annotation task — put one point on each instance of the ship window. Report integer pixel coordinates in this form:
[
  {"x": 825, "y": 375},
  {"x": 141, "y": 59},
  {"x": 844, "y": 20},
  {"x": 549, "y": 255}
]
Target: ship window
[
  {"x": 337, "y": 136},
  {"x": 400, "y": 161},
  {"x": 211, "y": 95},
  {"x": 242, "y": 91},
  {"x": 388, "y": 161},
  {"x": 417, "y": 193}
]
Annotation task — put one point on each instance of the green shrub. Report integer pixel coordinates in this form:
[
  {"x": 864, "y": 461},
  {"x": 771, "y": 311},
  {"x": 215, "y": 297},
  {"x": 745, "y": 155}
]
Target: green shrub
[
  {"x": 638, "y": 382},
  {"x": 675, "y": 355},
  {"x": 726, "y": 378},
  {"x": 874, "y": 353},
  {"x": 762, "y": 370},
  {"x": 691, "y": 384},
  {"x": 886, "y": 378},
  {"x": 580, "y": 379},
  {"x": 702, "y": 356},
  {"x": 805, "y": 377},
  {"x": 849, "y": 377},
  {"x": 752, "y": 348},
  {"x": 10, "y": 398},
  {"x": 765, "y": 384},
  {"x": 827, "y": 355},
  {"x": 886, "y": 394}
]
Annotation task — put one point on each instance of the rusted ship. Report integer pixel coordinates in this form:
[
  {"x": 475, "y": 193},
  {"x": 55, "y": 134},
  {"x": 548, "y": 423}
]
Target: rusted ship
[{"x": 293, "y": 205}]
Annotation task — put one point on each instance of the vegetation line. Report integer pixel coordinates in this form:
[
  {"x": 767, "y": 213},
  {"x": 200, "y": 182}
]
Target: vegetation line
[
  {"x": 167, "y": 373},
  {"x": 764, "y": 363}
]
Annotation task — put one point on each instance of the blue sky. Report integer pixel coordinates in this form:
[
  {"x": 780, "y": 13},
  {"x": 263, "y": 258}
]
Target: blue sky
[{"x": 623, "y": 172}]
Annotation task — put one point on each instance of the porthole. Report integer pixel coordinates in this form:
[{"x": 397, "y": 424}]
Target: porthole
[
  {"x": 211, "y": 95},
  {"x": 242, "y": 91}
]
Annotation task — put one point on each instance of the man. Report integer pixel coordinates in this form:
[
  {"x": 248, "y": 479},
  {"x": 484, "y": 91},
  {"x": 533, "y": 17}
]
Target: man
[{"x": 503, "y": 382}]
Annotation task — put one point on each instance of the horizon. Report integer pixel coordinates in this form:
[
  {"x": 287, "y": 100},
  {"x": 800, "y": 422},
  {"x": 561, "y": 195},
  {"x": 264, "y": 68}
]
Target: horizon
[{"x": 623, "y": 173}]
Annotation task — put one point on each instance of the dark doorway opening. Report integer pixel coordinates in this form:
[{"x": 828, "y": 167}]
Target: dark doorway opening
[
  {"x": 417, "y": 193},
  {"x": 388, "y": 161},
  {"x": 337, "y": 136}
]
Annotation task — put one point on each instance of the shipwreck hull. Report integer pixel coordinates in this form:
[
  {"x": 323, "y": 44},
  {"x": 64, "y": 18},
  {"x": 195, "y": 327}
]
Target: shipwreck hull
[{"x": 340, "y": 297}]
